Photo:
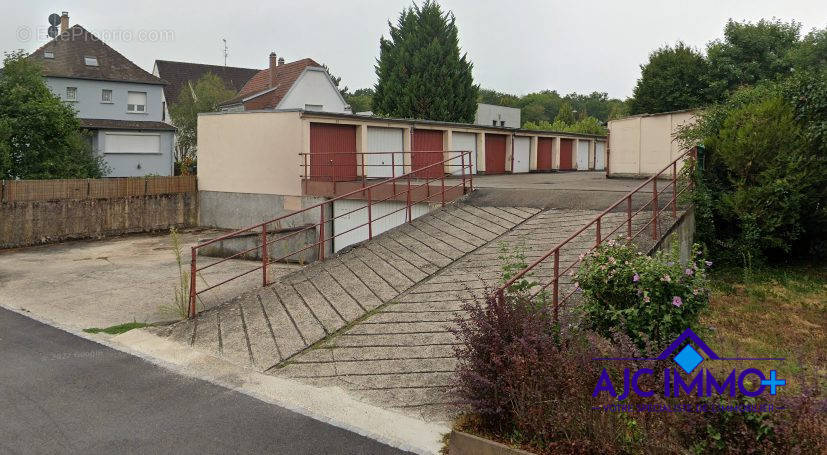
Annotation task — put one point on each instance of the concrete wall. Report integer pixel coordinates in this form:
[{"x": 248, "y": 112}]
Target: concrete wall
[
  {"x": 643, "y": 145},
  {"x": 682, "y": 232},
  {"x": 487, "y": 113},
  {"x": 250, "y": 152},
  {"x": 36, "y": 222},
  {"x": 228, "y": 210},
  {"x": 89, "y": 105},
  {"x": 314, "y": 87}
]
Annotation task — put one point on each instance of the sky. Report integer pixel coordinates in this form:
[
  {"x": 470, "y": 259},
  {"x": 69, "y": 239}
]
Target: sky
[{"x": 516, "y": 46}]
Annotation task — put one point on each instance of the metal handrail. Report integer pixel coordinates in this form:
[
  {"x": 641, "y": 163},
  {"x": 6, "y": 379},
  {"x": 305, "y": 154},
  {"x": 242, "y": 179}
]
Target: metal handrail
[
  {"x": 412, "y": 183},
  {"x": 554, "y": 252}
]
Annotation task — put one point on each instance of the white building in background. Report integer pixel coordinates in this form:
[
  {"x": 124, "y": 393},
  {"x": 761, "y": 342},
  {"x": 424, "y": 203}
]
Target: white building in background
[{"x": 493, "y": 115}]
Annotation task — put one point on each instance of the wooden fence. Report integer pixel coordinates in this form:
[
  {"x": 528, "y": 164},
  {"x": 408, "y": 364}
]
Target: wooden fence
[{"x": 107, "y": 188}]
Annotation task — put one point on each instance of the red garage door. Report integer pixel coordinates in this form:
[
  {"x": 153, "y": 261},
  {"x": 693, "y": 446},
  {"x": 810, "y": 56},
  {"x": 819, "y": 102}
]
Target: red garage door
[
  {"x": 544, "y": 153},
  {"x": 566, "y": 150},
  {"x": 332, "y": 152},
  {"x": 426, "y": 149},
  {"x": 494, "y": 153}
]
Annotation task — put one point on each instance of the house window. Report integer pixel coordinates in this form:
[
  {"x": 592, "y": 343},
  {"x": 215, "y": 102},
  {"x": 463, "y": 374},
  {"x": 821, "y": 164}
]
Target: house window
[
  {"x": 106, "y": 96},
  {"x": 494, "y": 122},
  {"x": 71, "y": 93},
  {"x": 313, "y": 107},
  {"x": 136, "y": 102},
  {"x": 90, "y": 61},
  {"x": 502, "y": 122},
  {"x": 48, "y": 55}
]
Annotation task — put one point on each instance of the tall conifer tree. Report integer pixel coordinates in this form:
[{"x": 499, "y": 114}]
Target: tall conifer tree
[{"x": 420, "y": 70}]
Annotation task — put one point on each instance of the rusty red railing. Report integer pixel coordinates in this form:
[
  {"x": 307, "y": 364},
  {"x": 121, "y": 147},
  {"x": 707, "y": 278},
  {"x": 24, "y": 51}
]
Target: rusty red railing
[
  {"x": 410, "y": 187},
  {"x": 553, "y": 255}
]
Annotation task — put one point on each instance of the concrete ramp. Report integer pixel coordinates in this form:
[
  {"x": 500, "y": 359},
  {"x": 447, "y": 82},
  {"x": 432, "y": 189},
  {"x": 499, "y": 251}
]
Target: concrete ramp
[{"x": 269, "y": 326}]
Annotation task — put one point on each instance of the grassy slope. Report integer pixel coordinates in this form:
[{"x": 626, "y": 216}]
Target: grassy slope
[{"x": 778, "y": 312}]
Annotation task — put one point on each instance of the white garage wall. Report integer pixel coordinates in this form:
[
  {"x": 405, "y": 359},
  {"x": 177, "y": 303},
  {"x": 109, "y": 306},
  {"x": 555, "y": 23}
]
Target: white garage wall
[
  {"x": 522, "y": 152},
  {"x": 342, "y": 222},
  {"x": 463, "y": 142},
  {"x": 384, "y": 140}
]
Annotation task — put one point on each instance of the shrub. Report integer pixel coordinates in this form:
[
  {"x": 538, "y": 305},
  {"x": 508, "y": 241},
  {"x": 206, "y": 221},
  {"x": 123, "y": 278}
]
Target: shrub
[
  {"x": 652, "y": 298},
  {"x": 761, "y": 193}
]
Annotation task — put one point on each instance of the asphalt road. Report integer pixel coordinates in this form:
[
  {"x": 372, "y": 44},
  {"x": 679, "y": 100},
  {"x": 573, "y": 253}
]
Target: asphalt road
[{"x": 60, "y": 393}]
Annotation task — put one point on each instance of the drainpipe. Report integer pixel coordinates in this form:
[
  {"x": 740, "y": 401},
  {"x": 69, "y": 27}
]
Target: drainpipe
[{"x": 512, "y": 152}]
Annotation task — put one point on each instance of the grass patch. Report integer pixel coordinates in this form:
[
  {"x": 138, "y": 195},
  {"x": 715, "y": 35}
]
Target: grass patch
[
  {"x": 117, "y": 329},
  {"x": 772, "y": 312}
]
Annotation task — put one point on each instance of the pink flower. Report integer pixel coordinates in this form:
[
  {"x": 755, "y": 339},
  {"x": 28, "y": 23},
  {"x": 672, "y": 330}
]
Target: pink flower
[
  {"x": 666, "y": 278},
  {"x": 677, "y": 301},
  {"x": 646, "y": 299},
  {"x": 689, "y": 272},
  {"x": 636, "y": 278},
  {"x": 708, "y": 263},
  {"x": 694, "y": 292}
]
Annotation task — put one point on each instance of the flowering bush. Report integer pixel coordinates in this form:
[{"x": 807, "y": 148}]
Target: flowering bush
[{"x": 651, "y": 298}]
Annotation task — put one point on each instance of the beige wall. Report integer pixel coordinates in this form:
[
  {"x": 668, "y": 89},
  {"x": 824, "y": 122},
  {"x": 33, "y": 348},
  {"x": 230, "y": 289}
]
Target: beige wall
[
  {"x": 643, "y": 145},
  {"x": 250, "y": 153}
]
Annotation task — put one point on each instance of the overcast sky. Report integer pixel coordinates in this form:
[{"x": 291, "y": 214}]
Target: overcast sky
[{"x": 516, "y": 46}]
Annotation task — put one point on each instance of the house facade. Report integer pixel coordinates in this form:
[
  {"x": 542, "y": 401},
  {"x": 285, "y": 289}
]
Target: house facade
[
  {"x": 494, "y": 115},
  {"x": 119, "y": 103},
  {"x": 303, "y": 84}
]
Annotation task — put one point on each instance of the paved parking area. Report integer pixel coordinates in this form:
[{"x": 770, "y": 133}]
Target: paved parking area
[{"x": 99, "y": 283}]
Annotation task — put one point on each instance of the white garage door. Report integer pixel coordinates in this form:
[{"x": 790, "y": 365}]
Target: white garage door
[
  {"x": 582, "y": 155},
  {"x": 599, "y": 156},
  {"x": 466, "y": 142},
  {"x": 347, "y": 214},
  {"x": 522, "y": 151},
  {"x": 385, "y": 164},
  {"x": 132, "y": 143}
]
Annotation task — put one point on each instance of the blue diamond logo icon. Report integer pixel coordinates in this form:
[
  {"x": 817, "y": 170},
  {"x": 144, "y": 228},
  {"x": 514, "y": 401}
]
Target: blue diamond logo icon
[{"x": 688, "y": 359}]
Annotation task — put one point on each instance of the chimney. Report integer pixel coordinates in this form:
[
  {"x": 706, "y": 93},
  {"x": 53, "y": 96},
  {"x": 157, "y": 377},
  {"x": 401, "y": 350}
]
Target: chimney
[
  {"x": 64, "y": 21},
  {"x": 273, "y": 63},
  {"x": 281, "y": 61}
]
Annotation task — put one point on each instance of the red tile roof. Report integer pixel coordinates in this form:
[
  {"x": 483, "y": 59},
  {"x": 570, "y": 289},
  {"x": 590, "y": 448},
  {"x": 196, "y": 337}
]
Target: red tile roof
[
  {"x": 70, "y": 48},
  {"x": 285, "y": 77}
]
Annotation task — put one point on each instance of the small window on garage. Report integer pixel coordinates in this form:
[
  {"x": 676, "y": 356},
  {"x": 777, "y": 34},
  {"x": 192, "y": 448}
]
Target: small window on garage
[
  {"x": 71, "y": 93},
  {"x": 106, "y": 96},
  {"x": 136, "y": 102},
  {"x": 313, "y": 107}
]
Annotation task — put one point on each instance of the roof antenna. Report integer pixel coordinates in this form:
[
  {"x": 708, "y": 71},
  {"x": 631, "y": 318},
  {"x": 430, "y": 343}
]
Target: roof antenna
[{"x": 225, "y": 51}]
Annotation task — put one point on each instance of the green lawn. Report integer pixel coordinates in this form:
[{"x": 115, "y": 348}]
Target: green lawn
[{"x": 775, "y": 312}]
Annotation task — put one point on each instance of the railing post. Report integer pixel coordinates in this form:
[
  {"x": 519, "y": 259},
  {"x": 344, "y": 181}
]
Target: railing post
[
  {"x": 597, "y": 243},
  {"x": 191, "y": 309},
  {"x": 629, "y": 217},
  {"x": 370, "y": 216},
  {"x": 470, "y": 172},
  {"x": 321, "y": 233},
  {"x": 265, "y": 258},
  {"x": 393, "y": 173},
  {"x": 442, "y": 185},
  {"x": 408, "y": 203},
  {"x": 462, "y": 158},
  {"x": 655, "y": 208},
  {"x": 675, "y": 189},
  {"x": 555, "y": 298}
]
